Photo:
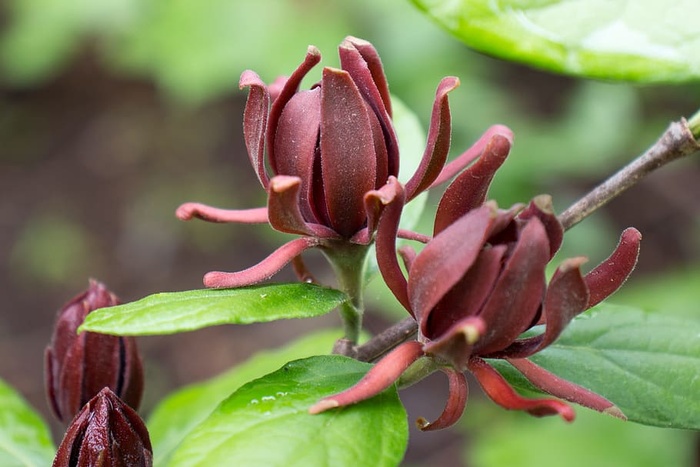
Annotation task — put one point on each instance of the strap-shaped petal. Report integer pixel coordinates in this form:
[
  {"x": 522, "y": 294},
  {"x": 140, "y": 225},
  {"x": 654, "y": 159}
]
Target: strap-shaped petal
[
  {"x": 291, "y": 86},
  {"x": 499, "y": 391},
  {"x": 374, "y": 65},
  {"x": 467, "y": 157},
  {"x": 564, "y": 389},
  {"x": 609, "y": 275},
  {"x": 456, "y": 402},
  {"x": 189, "y": 211},
  {"x": 469, "y": 189},
  {"x": 387, "y": 228},
  {"x": 257, "y": 109},
  {"x": 348, "y": 155},
  {"x": 541, "y": 207},
  {"x": 264, "y": 269},
  {"x": 456, "y": 344},
  {"x": 518, "y": 293},
  {"x": 378, "y": 378},
  {"x": 438, "y": 145},
  {"x": 446, "y": 258}
]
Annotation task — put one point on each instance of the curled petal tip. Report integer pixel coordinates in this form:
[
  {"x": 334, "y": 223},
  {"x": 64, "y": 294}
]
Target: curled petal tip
[
  {"x": 313, "y": 52},
  {"x": 615, "y": 412},
  {"x": 185, "y": 212},
  {"x": 501, "y": 130},
  {"x": 472, "y": 332},
  {"x": 423, "y": 424},
  {"x": 544, "y": 203},
  {"x": 323, "y": 405},
  {"x": 249, "y": 78},
  {"x": 280, "y": 183}
]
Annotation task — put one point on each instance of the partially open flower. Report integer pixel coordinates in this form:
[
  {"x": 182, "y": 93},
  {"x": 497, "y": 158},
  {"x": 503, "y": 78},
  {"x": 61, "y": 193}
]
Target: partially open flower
[
  {"x": 480, "y": 283},
  {"x": 78, "y": 366},
  {"x": 327, "y": 148},
  {"x": 105, "y": 433}
]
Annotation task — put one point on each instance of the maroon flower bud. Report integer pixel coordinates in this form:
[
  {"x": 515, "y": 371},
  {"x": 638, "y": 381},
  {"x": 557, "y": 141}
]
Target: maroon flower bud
[
  {"x": 78, "y": 366},
  {"x": 325, "y": 154},
  {"x": 105, "y": 433},
  {"x": 479, "y": 284}
]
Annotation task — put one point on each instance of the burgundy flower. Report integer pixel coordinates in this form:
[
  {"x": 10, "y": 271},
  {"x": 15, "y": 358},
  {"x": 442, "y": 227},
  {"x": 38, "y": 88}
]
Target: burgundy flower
[
  {"x": 479, "y": 284},
  {"x": 105, "y": 433},
  {"x": 327, "y": 148},
  {"x": 78, "y": 366}
]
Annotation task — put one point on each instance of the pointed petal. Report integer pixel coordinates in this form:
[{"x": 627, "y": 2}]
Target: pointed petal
[
  {"x": 361, "y": 61},
  {"x": 264, "y": 269},
  {"x": 348, "y": 156},
  {"x": 378, "y": 378},
  {"x": 564, "y": 389},
  {"x": 374, "y": 65},
  {"x": 386, "y": 241},
  {"x": 189, "y": 211},
  {"x": 446, "y": 258},
  {"x": 438, "y": 144},
  {"x": 376, "y": 200},
  {"x": 541, "y": 207},
  {"x": 566, "y": 297},
  {"x": 460, "y": 162},
  {"x": 291, "y": 86},
  {"x": 518, "y": 293},
  {"x": 456, "y": 344},
  {"x": 456, "y": 402},
  {"x": 284, "y": 211},
  {"x": 469, "y": 189},
  {"x": 275, "y": 88},
  {"x": 609, "y": 275},
  {"x": 499, "y": 391},
  {"x": 257, "y": 109}
]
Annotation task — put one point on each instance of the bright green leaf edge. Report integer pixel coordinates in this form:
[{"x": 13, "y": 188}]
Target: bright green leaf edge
[
  {"x": 266, "y": 422},
  {"x": 503, "y": 34},
  {"x": 173, "y": 312},
  {"x": 645, "y": 363},
  {"x": 181, "y": 411},
  {"x": 25, "y": 439}
]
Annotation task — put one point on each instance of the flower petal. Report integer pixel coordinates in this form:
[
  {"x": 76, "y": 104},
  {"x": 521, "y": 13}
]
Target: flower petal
[
  {"x": 387, "y": 228},
  {"x": 264, "y": 269},
  {"x": 564, "y": 389},
  {"x": 291, "y": 85},
  {"x": 374, "y": 65},
  {"x": 446, "y": 258},
  {"x": 348, "y": 152},
  {"x": 438, "y": 144},
  {"x": 456, "y": 402},
  {"x": 456, "y": 344},
  {"x": 609, "y": 275},
  {"x": 518, "y": 293},
  {"x": 541, "y": 207},
  {"x": 469, "y": 189},
  {"x": 460, "y": 162},
  {"x": 378, "y": 378},
  {"x": 257, "y": 109},
  {"x": 566, "y": 297},
  {"x": 284, "y": 210},
  {"x": 189, "y": 211},
  {"x": 499, "y": 391}
]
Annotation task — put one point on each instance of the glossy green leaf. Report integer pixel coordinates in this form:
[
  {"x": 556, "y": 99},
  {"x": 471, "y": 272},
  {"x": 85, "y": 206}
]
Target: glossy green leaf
[
  {"x": 172, "y": 312},
  {"x": 644, "y": 40},
  {"x": 25, "y": 439},
  {"x": 180, "y": 412},
  {"x": 266, "y": 422},
  {"x": 647, "y": 364}
]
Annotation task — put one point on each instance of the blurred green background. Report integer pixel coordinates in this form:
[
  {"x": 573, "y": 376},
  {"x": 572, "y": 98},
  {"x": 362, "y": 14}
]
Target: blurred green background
[{"x": 112, "y": 113}]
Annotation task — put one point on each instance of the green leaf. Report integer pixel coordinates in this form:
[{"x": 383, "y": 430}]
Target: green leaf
[
  {"x": 644, "y": 40},
  {"x": 172, "y": 312},
  {"x": 266, "y": 422},
  {"x": 180, "y": 412},
  {"x": 24, "y": 437},
  {"x": 647, "y": 364}
]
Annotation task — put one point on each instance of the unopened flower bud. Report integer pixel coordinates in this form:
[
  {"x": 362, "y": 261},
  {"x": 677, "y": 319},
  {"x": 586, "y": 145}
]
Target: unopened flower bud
[
  {"x": 78, "y": 366},
  {"x": 106, "y": 432}
]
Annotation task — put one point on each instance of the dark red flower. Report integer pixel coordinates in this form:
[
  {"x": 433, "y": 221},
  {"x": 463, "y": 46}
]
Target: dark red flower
[
  {"x": 105, "y": 433},
  {"x": 78, "y": 366},
  {"x": 327, "y": 148},
  {"x": 480, "y": 283}
]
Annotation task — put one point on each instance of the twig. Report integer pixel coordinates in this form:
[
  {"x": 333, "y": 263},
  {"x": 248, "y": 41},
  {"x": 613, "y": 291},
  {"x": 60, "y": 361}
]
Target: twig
[{"x": 678, "y": 140}]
